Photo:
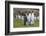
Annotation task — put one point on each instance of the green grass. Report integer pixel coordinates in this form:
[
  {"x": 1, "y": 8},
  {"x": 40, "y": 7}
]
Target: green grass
[{"x": 20, "y": 23}]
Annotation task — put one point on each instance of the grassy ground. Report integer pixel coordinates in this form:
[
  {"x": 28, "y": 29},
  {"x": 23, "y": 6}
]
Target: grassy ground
[{"x": 20, "y": 23}]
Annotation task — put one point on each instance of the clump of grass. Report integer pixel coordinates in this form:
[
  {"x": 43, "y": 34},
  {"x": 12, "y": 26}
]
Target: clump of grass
[{"x": 20, "y": 23}]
